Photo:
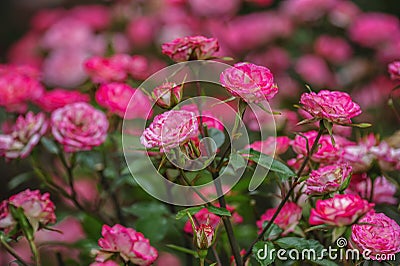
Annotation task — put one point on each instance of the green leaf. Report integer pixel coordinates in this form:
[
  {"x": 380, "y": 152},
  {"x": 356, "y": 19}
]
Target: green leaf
[
  {"x": 50, "y": 145},
  {"x": 328, "y": 125},
  {"x": 338, "y": 232},
  {"x": 191, "y": 210},
  {"x": 92, "y": 227},
  {"x": 19, "y": 179},
  {"x": 237, "y": 161},
  {"x": 273, "y": 232},
  {"x": 218, "y": 211},
  {"x": 345, "y": 184},
  {"x": 149, "y": 223},
  {"x": 262, "y": 251},
  {"x": 217, "y": 135},
  {"x": 270, "y": 163}
]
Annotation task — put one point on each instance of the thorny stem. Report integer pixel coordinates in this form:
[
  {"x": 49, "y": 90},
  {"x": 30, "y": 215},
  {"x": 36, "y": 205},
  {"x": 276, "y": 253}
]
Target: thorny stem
[
  {"x": 295, "y": 183},
  {"x": 35, "y": 252}
]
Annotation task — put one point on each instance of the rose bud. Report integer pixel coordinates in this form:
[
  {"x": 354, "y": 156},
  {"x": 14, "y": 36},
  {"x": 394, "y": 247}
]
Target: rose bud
[{"x": 167, "y": 95}]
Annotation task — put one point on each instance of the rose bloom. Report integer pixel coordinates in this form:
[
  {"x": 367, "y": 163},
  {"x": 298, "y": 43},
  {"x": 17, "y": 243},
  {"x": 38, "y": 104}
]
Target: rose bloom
[
  {"x": 359, "y": 155},
  {"x": 207, "y": 117},
  {"x": 116, "y": 98},
  {"x": 334, "y": 49},
  {"x": 79, "y": 126},
  {"x": 167, "y": 95},
  {"x": 129, "y": 244},
  {"x": 372, "y": 29},
  {"x": 394, "y": 70},
  {"x": 272, "y": 145},
  {"x": 326, "y": 152},
  {"x": 341, "y": 210},
  {"x": 103, "y": 70},
  {"x": 334, "y": 106},
  {"x": 314, "y": 70},
  {"x": 388, "y": 157},
  {"x": 170, "y": 129},
  {"x": 327, "y": 179},
  {"x": 23, "y": 136},
  {"x": 287, "y": 219},
  {"x": 251, "y": 82},
  {"x": 37, "y": 207},
  {"x": 18, "y": 84},
  {"x": 64, "y": 68},
  {"x": 383, "y": 193},
  {"x": 106, "y": 263},
  {"x": 379, "y": 234},
  {"x": 205, "y": 217},
  {"x": 57, "y": 98},
  {"x": 190, "y": 48}
]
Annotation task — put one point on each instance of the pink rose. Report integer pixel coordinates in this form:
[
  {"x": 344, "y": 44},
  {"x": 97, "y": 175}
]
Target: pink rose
[
  {"x": 388, "y": 157},
  {"x": 327, "y": 179},
  {"x": 103, "y": 70},
  {"x": 394, "y": 70},
  {"x": 64, "y": 68},
  {"x": 334, "y": 106},
  {"x": 68, "y": 33},
  {"x": 334, "y": 49},
  {"x": 314, "y": 70},
  {"x": 170, "y": 129},
  {"x": 57, "y": 98},
  {"x": 167, "y": 95},
  {"x": 23, "y": 136},
  {"x": 205, "y": 217},
  {"x": 287, "y": 219},
  {"x": 190, "y": 48},
  {"x": 116, "y": 96},
  {"x": 18, "y": 84},
  {"x": 373, "y": 29},
  {"x": 379, "y": 234},
  {"x": 207, "y": 117},
  {"x": 341, "y": 210},
  {"x": 272, "y": 145},
  {"x": 79, "y": 126},
  {"x": 307, "y": 10},
  {"x": 251, "y": 82},
  {"x": 38, "y": 208},
  {"x": 384, "y": 190},
  {"x": 129, "y": 244},
  {"x": 359, "y": 155},
  {"x": 326, "y": 152}
]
